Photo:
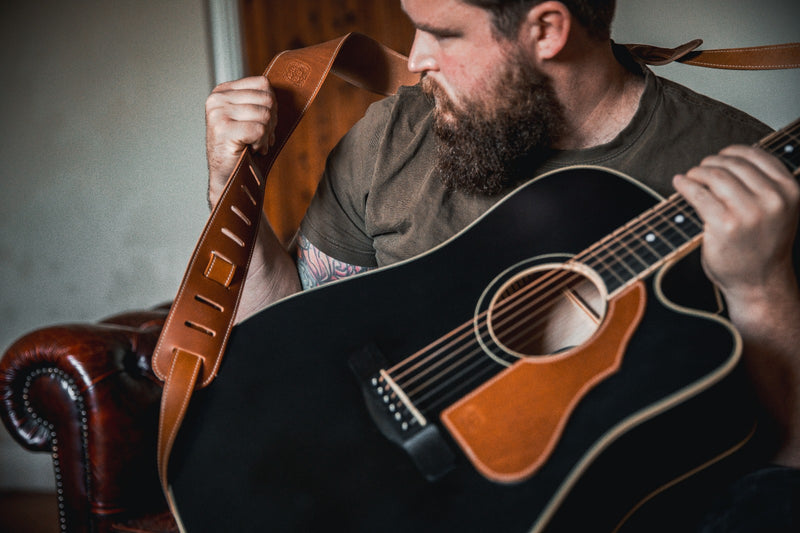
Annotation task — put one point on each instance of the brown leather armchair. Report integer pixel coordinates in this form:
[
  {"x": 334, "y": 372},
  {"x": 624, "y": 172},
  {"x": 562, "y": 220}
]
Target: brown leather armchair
[{"x": 85, "y": 393}]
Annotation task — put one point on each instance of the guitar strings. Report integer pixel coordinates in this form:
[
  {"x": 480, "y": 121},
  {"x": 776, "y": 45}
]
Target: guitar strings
[
  {"x": 681, "y": 207},
  {"x": 684, "y": 209},
  {"x": 605, "y": 251},
  {"x": 514, "y": 298},
  {"x": 627, "y": 249},
  {"x": 508, "y": 303},
  {"x": 478, "y": 351}
]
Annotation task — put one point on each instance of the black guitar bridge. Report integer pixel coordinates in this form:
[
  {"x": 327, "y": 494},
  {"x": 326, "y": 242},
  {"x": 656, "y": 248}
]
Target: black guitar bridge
[{"x": 397, "y": 418}]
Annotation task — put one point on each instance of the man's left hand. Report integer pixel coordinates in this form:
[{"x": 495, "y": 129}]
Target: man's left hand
[{"x": 748, "y": 202}]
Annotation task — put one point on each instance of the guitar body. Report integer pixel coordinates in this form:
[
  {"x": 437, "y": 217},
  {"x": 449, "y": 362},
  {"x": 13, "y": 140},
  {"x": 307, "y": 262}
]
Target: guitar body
[{"x": 282, "y": 440}]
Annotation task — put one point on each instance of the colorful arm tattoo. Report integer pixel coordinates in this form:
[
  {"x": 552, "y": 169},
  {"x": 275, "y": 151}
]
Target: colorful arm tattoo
[{"x": 316, "y": 268}]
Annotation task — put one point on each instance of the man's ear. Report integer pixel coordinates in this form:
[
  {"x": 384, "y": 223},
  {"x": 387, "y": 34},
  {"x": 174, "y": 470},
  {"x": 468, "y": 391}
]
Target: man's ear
[{"x": 545, "y": 30}]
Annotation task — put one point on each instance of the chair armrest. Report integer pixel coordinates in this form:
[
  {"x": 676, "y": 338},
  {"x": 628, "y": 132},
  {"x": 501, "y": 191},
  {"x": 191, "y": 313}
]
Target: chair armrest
[{"x": 86, "y": 394}]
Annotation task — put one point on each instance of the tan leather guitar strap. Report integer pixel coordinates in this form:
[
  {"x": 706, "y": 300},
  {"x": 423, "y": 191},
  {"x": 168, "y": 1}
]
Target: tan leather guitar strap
[
  {"x": 772, "y": 57},
  {"x": 190, "y": 348}
]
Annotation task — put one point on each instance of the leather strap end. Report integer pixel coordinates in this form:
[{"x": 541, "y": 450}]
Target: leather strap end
[
  {"x": 771, "y": 57},
  {"x": 656, "y": 55},
  {"x": 178, "y": 388}
]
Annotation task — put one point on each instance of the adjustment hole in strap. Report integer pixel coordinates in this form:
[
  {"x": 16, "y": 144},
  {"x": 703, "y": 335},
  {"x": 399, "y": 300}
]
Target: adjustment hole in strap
[
  {"x": 209, "y": 302},
  {"x": 238, "y": 212},
  {"x": 249, "y": 195},
  {"x": 232, "y": 236},
  {"x": 255, "y": 175},
  {"x": 202, "y": 329}
]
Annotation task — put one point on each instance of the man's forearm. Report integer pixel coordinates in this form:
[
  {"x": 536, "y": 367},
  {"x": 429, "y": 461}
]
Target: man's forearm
[
  {"x": 770, "y": 330},
  {"x": 272, "y": 274}
]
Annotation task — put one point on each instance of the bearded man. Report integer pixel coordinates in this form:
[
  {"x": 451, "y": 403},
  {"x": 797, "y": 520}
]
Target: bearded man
[{"x": 511, "y": 90}]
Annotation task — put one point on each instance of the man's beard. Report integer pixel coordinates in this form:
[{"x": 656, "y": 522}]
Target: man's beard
[{"x": 487, "y": 145}]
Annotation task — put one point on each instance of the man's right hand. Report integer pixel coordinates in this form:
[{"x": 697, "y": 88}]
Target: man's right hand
[{"x": 238, "y": 113}]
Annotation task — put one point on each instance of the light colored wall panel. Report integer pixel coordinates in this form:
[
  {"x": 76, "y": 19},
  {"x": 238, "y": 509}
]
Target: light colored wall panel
[{"x": 102, "y": 166}]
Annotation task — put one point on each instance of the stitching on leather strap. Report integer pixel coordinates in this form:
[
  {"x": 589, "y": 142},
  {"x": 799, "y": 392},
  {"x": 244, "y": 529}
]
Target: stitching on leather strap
[
  {"x": 182, "y": 366},
  {"x": 171, "y": 413}
]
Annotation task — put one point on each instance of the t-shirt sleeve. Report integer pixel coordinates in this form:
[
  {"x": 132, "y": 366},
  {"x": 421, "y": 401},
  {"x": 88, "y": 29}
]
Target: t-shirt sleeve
[{"x": 335, "y": 220}]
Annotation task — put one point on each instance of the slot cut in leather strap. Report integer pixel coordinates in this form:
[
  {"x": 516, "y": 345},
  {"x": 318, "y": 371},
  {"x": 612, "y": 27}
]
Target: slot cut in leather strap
[{"x": 196, "y": 331}]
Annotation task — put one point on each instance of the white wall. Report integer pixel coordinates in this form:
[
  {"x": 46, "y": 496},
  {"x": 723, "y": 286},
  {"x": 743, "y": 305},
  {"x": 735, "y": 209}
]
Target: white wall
[
  {"x": 102, "y": 165},
  {"x": 102, "y": 171},
  {"x": 772, "y": 96}
]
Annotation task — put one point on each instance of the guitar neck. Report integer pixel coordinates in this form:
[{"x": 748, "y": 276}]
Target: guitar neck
[
  {"x": 785, "y": 145},
  {"x": 669, "y": 229}
]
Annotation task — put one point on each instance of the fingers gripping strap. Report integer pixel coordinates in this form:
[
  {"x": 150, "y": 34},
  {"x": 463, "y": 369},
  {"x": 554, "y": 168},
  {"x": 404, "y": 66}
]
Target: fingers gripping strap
[{"x": 196, "y": 331}]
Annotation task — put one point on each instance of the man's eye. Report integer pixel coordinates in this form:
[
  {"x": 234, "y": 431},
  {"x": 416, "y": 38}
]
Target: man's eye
[{"x": 445, "y": 36}]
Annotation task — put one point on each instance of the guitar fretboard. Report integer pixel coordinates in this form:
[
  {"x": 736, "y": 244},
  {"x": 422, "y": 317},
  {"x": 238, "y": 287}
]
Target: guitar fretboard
[
  {"x": 785, "y": 145},
  {"x": 670, "y": 228}
]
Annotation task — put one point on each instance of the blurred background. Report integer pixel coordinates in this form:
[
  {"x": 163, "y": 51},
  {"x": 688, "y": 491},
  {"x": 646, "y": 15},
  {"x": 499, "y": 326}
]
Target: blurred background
[{"x": 102, "y": 158}]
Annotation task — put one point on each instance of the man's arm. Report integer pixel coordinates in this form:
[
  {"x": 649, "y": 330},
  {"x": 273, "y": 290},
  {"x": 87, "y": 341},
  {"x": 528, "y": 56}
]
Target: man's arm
[
  {"x": 749, "y": 204},
  {"x": 317, "y": 268},
  {"x": 271, "y": 277},
  {"x": 238, "y": 114}
]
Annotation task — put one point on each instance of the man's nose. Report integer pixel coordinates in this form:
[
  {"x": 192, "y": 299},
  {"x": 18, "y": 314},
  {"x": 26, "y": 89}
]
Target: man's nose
[{"x": 422, "y": 59}]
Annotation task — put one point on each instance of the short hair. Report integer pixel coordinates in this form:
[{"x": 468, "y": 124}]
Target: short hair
[{"x": 507, "y": 15}]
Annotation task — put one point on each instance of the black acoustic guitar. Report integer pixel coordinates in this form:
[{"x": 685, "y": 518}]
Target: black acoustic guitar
[{"x": 541, "y": 371}]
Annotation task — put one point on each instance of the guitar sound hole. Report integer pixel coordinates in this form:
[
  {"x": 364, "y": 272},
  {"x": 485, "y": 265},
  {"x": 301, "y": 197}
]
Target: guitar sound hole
[{"x": 544, "y": 311}]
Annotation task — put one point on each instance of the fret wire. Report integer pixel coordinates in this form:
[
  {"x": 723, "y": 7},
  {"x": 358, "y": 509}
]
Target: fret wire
[
  {"x": 632, "y": 253},
  {"x": 687, "y": 209},
  {"x": 644, "y": 244},
  {"x": 650, "y": 234},
  {"x": 674, "y": 234},
  {"x": 670, "y": 226},
  {"x": 628, "y": 257},
  {"x": 594, "y": 252},
  {"x": 786, "y": 156},
  {"x": 793, "y": 166},
  {"x": 776, "y": 139},
  {"x": 639, "y": 230},
  {"x": 647, "y": 247},
  {"x": 603, "y": 268},
  {"x": 782, "y": 139},
  {"x": 623, "y": 256},
  {"x": 618, "y": 261},
  {"x": 662, "y": 228},
  {"x": 658, "y": 237}
]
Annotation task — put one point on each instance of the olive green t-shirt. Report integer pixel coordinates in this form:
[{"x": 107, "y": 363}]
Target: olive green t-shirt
[{"x": 379, "y": 202}]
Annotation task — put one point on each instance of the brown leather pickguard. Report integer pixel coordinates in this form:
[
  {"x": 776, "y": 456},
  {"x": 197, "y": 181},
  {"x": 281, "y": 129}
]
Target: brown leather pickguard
[{"x": 509, "y": 426}]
